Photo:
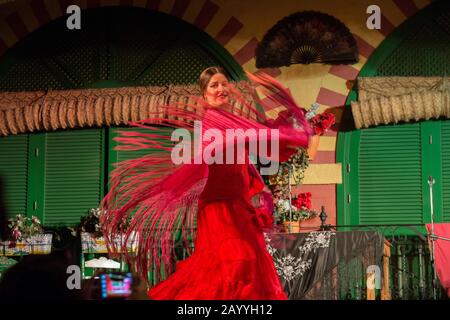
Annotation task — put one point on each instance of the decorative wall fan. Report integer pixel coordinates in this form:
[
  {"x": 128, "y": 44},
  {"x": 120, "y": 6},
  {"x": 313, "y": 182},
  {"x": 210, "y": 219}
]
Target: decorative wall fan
[{"x": 307, "y": 37}]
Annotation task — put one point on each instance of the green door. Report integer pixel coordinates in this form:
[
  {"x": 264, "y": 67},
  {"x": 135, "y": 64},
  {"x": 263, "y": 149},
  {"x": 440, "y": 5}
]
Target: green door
[{"x": 386, "y": 169}]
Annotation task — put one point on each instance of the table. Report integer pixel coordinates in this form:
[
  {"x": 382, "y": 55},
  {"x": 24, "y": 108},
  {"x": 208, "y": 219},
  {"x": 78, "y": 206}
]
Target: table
[{"x": 326, "y": 264}]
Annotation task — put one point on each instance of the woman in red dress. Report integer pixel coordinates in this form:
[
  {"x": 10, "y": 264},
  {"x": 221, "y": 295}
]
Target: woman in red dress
[{"x": 230, "y": 260}]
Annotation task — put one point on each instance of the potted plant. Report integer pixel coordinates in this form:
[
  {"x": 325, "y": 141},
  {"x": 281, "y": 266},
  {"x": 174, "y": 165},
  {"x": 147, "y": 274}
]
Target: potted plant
[
  {"x": 27, "y": 236},
  {"x": 92, "y": 239},
  {"x": 91, "y": 234},
  {"x": 290, "y": 214}
]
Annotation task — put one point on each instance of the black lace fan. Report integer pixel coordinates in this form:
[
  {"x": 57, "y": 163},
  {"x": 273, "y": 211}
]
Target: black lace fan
[{"x": 307, "y": 37}]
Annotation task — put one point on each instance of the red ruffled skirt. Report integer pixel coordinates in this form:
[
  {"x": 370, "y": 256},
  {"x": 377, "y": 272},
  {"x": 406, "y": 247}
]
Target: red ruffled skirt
[{"x": 230, "y": 260}]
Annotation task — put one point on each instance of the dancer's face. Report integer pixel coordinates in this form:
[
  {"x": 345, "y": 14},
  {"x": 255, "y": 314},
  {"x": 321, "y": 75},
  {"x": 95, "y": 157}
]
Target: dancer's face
[{"x": 217, "y": 91}]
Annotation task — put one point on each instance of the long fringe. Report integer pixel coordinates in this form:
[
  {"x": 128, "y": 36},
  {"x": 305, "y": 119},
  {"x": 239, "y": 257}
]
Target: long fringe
[{"x": 161, "y": 199}]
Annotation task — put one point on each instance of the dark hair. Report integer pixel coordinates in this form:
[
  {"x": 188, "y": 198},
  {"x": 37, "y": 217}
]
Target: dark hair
[{"x": 207, "y": 74}]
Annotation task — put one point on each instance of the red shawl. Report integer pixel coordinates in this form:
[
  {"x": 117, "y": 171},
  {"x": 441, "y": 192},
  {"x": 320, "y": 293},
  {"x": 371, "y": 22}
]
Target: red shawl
[{"x": 161, "y": 198}]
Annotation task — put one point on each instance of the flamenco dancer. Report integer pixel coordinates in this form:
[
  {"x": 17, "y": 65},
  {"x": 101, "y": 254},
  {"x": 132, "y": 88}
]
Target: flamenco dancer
[{"x": 166, "y": 202}]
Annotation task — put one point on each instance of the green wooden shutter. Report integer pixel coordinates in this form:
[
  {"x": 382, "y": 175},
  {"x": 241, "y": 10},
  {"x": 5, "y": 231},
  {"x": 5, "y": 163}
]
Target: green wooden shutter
[
  {"x": 121, "y": 155},
  {"x": 73, "y": 175},
  {"x": 390, "y": 175},
  {"x": 445, "y": 158},
  {"x": 116, "y": 156},
  {"x": 14, "y": 172},
  {"x": 131, "y": 154}
]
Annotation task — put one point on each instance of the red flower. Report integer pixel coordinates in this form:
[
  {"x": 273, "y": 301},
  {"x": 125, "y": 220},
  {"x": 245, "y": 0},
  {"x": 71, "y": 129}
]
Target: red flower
[
  {"x": 322, "y": 122},
  {"x": 16, "y": 234},
  {"x": 297, "y": 203},
  {"x": 303, "y": 201}
]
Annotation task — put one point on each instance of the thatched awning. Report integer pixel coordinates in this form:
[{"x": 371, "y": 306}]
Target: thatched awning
[
  {"x": 387, "y": 100},
  {"x": 22, "y": 112}
]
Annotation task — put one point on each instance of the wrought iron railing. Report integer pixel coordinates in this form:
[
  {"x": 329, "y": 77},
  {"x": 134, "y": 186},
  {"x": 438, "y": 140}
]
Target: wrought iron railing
[
  {"x": 408, "y": 264},
  {"x": 407, "y": 261}
]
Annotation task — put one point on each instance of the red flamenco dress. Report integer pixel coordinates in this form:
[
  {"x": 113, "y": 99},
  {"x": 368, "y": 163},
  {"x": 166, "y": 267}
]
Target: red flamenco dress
[{"x": 230, "y": 260}]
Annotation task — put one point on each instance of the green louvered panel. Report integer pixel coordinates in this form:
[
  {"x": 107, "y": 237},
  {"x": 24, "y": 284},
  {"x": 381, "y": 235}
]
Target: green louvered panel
[
  {"x": 14, "y": 171},
  {"x": 127, "y": 154},
  {"x": 122, "y": 155},
  {"x": 445, "y": 153},
  {"x": 73, "y": 171},
  {"x": 390, "y": 183}
]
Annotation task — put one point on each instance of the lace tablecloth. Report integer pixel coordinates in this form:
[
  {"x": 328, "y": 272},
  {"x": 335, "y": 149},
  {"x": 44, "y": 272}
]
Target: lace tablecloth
[{"x": 325, "y": 264}]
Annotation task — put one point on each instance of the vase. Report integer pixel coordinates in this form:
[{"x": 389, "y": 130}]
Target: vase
[
  {"x": 14, "y": 248},
  {"x": 36, "y": 244},
  {"x": 292, "y": 226},
  {"x": 93, "y": 244},
  {"x": 40, "y": 243},
  {"x": 313, "y": 146},
  {"x": 97, "y": 244}
]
